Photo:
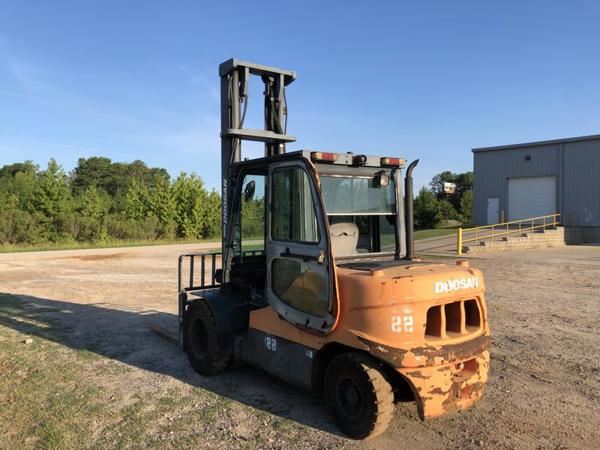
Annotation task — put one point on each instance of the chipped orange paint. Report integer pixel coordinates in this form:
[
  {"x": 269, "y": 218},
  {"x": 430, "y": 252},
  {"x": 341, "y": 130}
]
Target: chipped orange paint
[{"x": 384, "y": 311}]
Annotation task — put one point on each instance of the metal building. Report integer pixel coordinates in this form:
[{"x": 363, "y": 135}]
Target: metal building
[{"x": 538, "y": 178}]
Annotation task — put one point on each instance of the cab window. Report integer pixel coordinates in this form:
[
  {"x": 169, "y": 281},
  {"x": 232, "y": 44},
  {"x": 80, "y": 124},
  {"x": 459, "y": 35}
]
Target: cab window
[
  {"x": 362, "y": 213},
  {"x": 250, "y": 219},
  {"x": 293, "y": 214},
  {"x": 301, "y": 287}
]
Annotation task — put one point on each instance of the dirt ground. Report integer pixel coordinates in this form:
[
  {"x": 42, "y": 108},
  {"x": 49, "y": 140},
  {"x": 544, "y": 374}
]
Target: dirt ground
[{"x": 543, "y": 392}]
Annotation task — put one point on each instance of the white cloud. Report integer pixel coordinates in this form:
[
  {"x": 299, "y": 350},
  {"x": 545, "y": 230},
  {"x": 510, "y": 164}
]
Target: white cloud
[
  {"x": 208, "y": 84},
  {"x": 25, "y": 75},
  {"x": 32, "y": 99},
  {"x": 193, "y": 75}
]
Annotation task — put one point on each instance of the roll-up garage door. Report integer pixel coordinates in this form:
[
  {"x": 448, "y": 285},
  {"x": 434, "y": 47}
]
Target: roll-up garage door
[{"x": 531, "y": 197}]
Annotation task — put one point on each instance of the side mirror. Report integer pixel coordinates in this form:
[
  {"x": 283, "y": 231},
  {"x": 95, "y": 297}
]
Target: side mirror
[{"x": 249, "y": 191}]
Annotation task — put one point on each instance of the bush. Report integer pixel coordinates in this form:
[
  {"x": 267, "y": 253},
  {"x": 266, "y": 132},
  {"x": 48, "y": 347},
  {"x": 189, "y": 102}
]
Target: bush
[
  {"x": 466, "y": 207},
  {"x": 17, "y": 227},
  {"x": 121, "y": 228},
  {"x": 149, "y": 228},
  {"x": 427, "y": 212},
  {"x": 167, "y": 230},
  {"x": 90, "y": 230},
  {"x": 447, "y": 210}
]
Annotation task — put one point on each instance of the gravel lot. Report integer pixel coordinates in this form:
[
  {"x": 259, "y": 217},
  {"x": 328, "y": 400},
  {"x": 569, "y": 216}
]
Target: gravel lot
[{"x": 543, "y": 392}]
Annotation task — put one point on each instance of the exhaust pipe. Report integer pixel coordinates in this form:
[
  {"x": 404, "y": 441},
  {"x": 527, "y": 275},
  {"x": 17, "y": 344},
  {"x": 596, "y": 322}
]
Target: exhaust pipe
[{"x": 408, "y": 211}]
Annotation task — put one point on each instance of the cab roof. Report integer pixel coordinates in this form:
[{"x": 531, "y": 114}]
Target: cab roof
[{"x": 348, "y": 159}]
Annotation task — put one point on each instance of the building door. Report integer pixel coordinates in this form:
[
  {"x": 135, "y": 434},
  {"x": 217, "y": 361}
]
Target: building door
[
  {"x": 493, "y": 211},
  {"x": 531, "y": 197}
]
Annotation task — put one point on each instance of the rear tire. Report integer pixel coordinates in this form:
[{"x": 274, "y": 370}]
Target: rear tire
[
  {"x": 359, "y": 395},
  {"x": 200, "y": 340}
]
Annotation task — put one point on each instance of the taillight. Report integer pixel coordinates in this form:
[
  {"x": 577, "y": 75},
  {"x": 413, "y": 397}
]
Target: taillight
[
  {"x": 392, "y": 161},
  {"x": 323, "y": 156}
]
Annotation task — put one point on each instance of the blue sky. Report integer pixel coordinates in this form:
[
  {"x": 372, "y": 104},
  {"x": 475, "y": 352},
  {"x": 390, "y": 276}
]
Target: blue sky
[{"x": 429, "y": 80}]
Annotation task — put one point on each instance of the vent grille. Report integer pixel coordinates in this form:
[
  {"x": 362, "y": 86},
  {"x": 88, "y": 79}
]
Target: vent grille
[{"x": 453, "y": 320}]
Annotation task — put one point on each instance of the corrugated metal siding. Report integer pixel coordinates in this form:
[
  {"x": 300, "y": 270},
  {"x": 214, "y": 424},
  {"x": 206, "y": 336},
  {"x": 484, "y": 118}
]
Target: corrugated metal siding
[
  {"x": 581, "y": 205},
  {"x": 493, "y": 168}
]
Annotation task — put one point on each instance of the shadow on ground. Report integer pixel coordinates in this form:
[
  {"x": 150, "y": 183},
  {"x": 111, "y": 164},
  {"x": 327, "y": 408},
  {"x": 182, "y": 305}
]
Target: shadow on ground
[{"x": 125, "y": 335}]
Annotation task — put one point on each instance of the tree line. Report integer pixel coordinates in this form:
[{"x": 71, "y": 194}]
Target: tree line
[
  {"x": 103, "y": 200},
  {"x": 433, "y": 207}
]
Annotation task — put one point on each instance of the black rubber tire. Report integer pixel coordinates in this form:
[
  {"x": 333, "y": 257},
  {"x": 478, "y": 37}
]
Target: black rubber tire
[
  {"x": 359, "y": 395},
  {"x": 200, "y": 340}
]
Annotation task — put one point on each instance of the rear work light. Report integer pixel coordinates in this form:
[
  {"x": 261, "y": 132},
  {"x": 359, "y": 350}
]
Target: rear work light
[
  {"x": 359, "y": 160},
  {"x": 392, "y": 161},
  {"x": 323, "y": 156}
]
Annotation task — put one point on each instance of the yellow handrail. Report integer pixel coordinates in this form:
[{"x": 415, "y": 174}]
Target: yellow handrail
[{"x": 495, "y": 233}]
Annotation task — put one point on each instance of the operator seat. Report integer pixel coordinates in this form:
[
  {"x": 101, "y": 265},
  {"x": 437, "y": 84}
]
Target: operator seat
[{"x": 344, "y": 238}]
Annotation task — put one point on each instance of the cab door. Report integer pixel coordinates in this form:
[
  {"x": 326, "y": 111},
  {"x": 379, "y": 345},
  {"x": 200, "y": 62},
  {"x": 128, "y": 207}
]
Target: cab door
[{"x": 299, "y": 269}]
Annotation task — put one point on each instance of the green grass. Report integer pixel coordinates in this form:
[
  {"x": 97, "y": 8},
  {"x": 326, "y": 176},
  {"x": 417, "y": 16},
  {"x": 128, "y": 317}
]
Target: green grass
[
  {"x": 54, "y": 396},
  {"x": 50, "y": 246},
  {"x": 435, "y": 232},
  {"x": 57, "y": 397}
]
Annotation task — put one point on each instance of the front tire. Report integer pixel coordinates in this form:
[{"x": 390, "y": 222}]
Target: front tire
[
  {"x": 200, "y": 340},
  {"x": 359, "y": 395}
]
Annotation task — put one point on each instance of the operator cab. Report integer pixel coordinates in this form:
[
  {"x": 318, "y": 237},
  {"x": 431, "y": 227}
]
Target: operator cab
[
  {"x": 297, "y": 215},
  {"x": 363, "y": 202}
]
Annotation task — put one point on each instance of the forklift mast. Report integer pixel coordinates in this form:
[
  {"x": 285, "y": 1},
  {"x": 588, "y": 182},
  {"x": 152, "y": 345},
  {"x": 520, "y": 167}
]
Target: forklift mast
[{"x": 235, "y": 76}]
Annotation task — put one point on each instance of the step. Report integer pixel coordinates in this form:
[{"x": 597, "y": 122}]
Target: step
[
  {"x": 548, "y": 237},
  {"x": 501, "y": 246}
]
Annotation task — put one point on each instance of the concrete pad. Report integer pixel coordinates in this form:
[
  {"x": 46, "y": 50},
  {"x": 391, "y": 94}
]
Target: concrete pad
[
  {"x": 588, "y": 254},
  {"x": 437, "y": 246}
]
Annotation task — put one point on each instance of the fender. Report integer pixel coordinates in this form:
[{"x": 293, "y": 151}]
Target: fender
[{"x": 230, "y": 320}]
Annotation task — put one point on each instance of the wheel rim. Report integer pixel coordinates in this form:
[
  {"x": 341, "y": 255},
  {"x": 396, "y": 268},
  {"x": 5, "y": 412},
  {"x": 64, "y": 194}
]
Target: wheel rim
[
  {"x": 349, "y": 398},
  {"x": 198, "y": 338}
]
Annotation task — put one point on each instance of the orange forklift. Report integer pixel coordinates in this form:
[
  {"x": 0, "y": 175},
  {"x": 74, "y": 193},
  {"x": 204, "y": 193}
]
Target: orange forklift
[{"x": 317, "y": 283}]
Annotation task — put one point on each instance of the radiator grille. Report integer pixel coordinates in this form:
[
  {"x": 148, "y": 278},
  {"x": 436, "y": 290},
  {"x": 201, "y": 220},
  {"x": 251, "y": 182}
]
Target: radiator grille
[{"x": 453, "y": 320}]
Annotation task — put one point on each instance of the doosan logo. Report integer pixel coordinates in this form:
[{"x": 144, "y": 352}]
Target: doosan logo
[{"x": 455, "y": 285}]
